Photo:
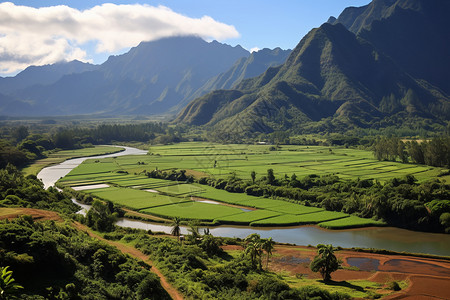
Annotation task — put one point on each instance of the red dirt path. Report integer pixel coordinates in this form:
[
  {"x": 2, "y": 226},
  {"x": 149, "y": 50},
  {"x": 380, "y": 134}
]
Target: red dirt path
[{"x": 37, "y": 214}]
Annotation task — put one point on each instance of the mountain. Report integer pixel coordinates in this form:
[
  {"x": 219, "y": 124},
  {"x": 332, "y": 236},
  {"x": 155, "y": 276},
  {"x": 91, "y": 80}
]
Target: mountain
[
  {"x": 344, "y": 73},
  {"x": 246, "y": 67},
  {"x": 152, "y": 78},
  {"x": 43, "y": 75},
  {"x": 414, "y": 33}
]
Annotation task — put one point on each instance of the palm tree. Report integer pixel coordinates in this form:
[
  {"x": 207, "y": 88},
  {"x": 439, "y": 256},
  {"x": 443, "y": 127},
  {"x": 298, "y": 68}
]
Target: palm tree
[
  {"x": 254, "y": 249},
  {"x": 8, "y": 286},
  {"x": 194, "y": 230},
  {"x": 325, "y": 261},
  {"x": 268, "y": 245},
  {"x": 176, "y": 229}
]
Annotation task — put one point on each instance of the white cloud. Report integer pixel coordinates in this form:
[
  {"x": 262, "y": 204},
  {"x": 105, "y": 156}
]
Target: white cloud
[
  {"x": 254, "y": 49},
  {"x": 49, "y": 34}
]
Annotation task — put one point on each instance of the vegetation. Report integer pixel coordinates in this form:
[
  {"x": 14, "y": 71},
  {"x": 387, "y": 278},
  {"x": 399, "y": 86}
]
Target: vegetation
[
  {"x": 56, "y": 261},
  {"x": 8, "y": 286},
  {"x": 280, "y": 198},
  {"x": 19, "y": 191},
  {"x": 325, "y": 262},
  {"x": 200, "y": 274},
  {"x": 435, "y": 152}
]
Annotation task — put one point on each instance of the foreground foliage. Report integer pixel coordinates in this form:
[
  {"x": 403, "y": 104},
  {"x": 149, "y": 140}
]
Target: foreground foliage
[
  {"x": 19, "y": 191},
  {"x": 56, "y": 261},
  {"x": 325, "y": 262},
  {"x": 200, "y": 273},
  {"x": 8, "y": 286}
]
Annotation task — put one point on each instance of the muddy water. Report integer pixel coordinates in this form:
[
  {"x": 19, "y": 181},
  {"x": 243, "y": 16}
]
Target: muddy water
[{"x": 389, "y": 238}]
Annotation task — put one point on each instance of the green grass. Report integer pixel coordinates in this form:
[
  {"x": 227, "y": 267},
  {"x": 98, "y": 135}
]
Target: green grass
[
  {"x": 311, "y": 218},
  {"x": 224, "y": 196},
  {"x": 242, "y": 159},
  {"x": 135, "y": 199},
  {"x": 244, "y": 218},
  {"x": 60, "y": 156},
  {"x": 199, "y": 158},
  {"x": 294, "y": 209},
  {"x": 362, "y": 289},
  {"x": 180, "y": 189},
  {"x": 350, "y": 222},
  {"x": 192, "y": 210}
]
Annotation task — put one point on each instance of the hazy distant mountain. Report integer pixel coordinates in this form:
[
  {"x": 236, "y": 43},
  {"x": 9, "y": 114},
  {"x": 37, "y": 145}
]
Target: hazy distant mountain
[
  {"x": 246, "y": 67},
  {"x": 344, "y": 78},
  {"x": 151, "y": 78},
  {"x": 43, "y": 75}
]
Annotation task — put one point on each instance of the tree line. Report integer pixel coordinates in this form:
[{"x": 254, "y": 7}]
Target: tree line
[
  {"x": 23, "y": 146},
  {"x": 434, "y": 152},
  {"x": 400, "y": 202}
]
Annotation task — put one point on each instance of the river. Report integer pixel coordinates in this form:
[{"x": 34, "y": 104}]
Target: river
[{"x": 388, "y": 238}]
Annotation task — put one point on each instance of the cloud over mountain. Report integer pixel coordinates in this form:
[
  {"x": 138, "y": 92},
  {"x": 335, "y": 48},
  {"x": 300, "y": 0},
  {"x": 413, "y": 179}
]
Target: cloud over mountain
[{"x": 37, "y": 36}]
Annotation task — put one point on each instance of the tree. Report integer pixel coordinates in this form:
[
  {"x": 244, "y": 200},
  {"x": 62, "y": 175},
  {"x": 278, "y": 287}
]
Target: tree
[
  {"x": 254, "y": 249},
  {"x": 270, "y": 176},
  {"x": 195, "y": 233},
  {"x": 176, "y": 229},
  {"x": 325, "y": 262},
  {"x": 210, "y": 245},
  {"x": 268, "y": 245},
  {"x": 253, "y": 175},
  {"x": 100, "y": 217},
  {"x": 20, "y": 133},
  {"x": 8, "y": 286}
]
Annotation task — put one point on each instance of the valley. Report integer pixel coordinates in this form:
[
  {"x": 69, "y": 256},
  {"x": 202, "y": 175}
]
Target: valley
[{"x": 225, "y": 150}]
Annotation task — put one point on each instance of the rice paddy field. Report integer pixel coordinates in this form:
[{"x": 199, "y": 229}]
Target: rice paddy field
[{"x": 128, "y": 187}]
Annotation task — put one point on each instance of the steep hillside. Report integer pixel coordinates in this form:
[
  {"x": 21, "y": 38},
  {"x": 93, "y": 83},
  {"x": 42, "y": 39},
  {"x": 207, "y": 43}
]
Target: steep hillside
[
  {"x": 414, "y": 33},
  {"x": 246, "y": 67},
  {"x": 341, "y": 77}
]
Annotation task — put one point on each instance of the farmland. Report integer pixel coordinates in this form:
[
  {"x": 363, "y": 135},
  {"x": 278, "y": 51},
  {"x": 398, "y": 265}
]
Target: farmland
[
  {"x": 129, "y": 187},
  {"x": 60, "y": 156}
]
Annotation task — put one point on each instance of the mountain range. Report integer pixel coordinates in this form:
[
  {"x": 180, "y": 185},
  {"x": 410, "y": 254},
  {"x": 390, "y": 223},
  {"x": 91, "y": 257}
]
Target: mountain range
[
  {"x": 372, "y": 65},
  {"x": 157, "y": 77}
]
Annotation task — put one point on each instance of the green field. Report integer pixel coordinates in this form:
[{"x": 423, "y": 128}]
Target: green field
[
  {"x": 199, "y": 159},
  {"x": 135, "y": 199},
  {"x": 204, "y": 159},
  {"x": 312, "y": 218},
  {"x": 60, "y": 156},
  {"x": 194, "y": 211},
  {"x": 350, "y": 222}
]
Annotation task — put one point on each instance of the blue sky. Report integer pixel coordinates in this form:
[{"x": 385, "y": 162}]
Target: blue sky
[{"x": 69, "y": 32}]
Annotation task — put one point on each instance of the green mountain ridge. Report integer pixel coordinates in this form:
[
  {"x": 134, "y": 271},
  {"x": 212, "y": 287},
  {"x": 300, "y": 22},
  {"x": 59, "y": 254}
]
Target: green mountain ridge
[{"x": 338, "y": 76}]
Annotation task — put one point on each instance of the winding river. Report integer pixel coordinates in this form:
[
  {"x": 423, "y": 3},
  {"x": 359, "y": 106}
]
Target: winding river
[{"x": 389, "y": 238}]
